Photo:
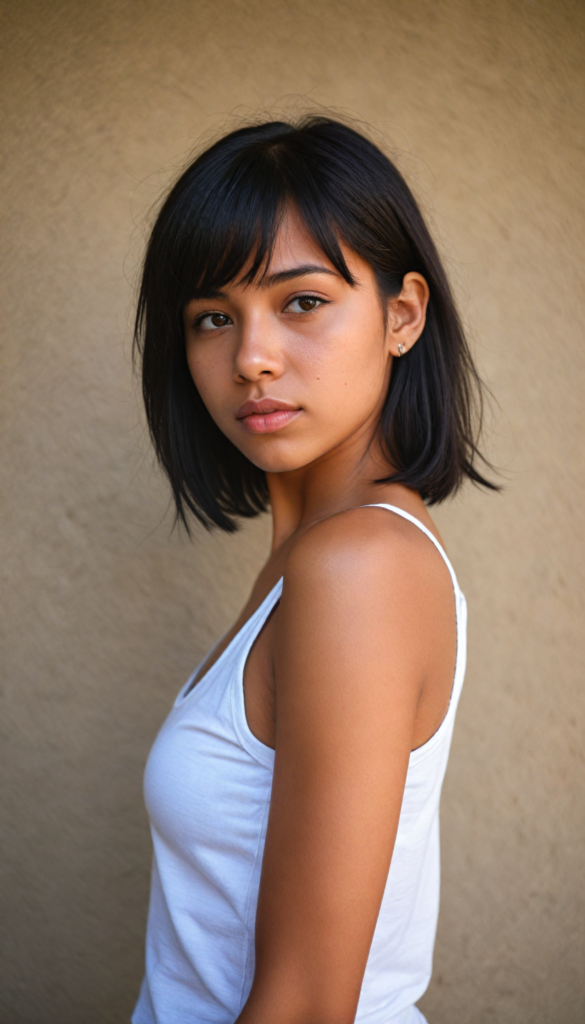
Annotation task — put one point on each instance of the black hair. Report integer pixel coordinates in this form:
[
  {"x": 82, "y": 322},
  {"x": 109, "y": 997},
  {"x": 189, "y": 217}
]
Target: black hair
[{"x": 223, "y": 212}]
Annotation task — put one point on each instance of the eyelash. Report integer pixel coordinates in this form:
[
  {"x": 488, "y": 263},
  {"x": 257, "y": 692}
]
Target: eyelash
[
  {"x": 307, "y": 295},
  {"x": 203, "y": 316},
  {"x": 296, "y": 298}
]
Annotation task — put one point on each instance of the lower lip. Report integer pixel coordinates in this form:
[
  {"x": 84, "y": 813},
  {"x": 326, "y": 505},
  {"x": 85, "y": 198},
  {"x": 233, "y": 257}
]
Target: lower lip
[{"x": 269, "y": 422}]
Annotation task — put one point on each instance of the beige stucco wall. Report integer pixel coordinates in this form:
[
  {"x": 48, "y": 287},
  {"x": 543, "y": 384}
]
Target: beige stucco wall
[{"x": 105, "y": 613}]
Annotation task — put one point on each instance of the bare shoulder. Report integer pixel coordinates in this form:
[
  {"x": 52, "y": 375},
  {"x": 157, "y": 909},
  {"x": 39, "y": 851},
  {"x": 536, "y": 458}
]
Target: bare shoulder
[
  {"x": 368, "y": 611},
  {"x": 369, "y": 545}
]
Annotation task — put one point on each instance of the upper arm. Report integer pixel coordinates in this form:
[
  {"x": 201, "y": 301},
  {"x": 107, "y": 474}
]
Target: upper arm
[{"x": 350, "y": 652}]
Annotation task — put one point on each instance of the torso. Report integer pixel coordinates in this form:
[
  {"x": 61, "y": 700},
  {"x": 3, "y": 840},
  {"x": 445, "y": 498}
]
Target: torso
[{"x": 209, "y": 785}]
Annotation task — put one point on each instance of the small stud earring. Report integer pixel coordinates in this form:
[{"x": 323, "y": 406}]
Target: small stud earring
[{"x": 400, "y": 348}]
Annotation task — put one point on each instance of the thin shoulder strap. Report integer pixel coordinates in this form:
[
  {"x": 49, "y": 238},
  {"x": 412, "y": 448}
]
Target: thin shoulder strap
[{"x": 421, "y": 526}]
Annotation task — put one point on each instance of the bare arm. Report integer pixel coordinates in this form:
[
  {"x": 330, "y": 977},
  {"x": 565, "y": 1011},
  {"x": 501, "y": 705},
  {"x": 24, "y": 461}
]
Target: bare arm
[{"x": 355, "y": 635}]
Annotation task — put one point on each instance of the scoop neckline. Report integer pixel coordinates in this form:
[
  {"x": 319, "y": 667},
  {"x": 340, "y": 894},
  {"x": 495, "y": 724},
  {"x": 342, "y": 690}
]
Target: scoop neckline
[{"x": 188, "y": 689}]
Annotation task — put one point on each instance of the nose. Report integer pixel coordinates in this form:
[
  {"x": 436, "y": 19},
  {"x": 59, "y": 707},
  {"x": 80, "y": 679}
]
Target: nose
[{"x": 258, "y": 355}]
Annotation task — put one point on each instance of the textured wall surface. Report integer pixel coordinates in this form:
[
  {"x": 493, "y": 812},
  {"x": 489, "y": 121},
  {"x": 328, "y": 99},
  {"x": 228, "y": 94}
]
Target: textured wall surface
[{"x": 105, "y": 612}]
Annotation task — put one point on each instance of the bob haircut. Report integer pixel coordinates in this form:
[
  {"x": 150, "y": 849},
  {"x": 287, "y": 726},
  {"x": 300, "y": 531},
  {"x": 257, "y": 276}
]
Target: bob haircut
[{"x": 222, "y": 214}]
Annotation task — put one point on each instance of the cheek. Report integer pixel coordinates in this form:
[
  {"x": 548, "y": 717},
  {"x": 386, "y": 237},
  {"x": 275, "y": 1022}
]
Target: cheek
[
  {"x": 210, "y": 375},
  {"x": 347, "y": 365}
]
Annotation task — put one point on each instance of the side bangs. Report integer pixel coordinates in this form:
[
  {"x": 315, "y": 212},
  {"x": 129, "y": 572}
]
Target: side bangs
[{"x": 233, "y": 223}]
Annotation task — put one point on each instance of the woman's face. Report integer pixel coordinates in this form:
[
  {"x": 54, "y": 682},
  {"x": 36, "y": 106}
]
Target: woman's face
[{"x": 295, "y": 366}]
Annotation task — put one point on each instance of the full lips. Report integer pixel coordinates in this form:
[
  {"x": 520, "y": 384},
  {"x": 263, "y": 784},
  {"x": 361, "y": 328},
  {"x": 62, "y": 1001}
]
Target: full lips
[{"x": 269, "y": 422}]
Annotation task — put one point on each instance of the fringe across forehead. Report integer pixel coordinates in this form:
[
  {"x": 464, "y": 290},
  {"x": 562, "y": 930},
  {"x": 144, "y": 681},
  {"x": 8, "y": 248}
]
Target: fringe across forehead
[{"x": 228, "y": 231}]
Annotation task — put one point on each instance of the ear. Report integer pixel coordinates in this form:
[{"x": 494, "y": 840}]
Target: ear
[{"x": 407, "y": 314}]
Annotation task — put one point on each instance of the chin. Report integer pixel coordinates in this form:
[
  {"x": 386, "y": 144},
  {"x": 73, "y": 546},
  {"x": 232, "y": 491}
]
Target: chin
[
  {"x": 278, "y": 465},
  {"x": 280, "y": 461}
]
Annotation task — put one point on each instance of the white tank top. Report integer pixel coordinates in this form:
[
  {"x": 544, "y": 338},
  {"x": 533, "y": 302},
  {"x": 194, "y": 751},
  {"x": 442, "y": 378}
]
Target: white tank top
[{"x": 207, "y": 791}]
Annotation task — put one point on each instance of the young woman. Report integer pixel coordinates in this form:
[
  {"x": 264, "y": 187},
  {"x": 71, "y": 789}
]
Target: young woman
[{"x": 301, "y": 351}]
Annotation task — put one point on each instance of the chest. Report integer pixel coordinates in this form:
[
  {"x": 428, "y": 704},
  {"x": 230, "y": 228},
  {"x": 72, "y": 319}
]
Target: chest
[{"x": 202, "y": 789}]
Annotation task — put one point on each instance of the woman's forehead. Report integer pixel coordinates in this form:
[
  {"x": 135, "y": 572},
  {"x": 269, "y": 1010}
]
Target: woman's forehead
[
  {"x": 241, "y": 255},
  {"x": 293, "y": 248}
]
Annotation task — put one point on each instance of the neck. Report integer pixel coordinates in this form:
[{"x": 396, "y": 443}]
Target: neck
[{"x": 339, "y": 479}]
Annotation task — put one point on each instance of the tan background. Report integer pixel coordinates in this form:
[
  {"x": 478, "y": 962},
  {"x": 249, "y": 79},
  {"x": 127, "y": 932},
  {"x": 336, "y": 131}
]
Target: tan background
[{"x": 105, "y": 613}]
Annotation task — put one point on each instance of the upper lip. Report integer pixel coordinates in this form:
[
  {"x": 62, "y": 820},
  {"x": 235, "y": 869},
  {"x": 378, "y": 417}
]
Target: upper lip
[{"x": 264, "y": 406}]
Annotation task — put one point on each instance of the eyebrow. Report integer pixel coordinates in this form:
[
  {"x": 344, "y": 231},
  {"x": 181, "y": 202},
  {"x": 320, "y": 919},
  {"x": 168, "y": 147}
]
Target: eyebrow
[
  {"x": 270, "y": 279},
  {"x": 289, "y": 275}
]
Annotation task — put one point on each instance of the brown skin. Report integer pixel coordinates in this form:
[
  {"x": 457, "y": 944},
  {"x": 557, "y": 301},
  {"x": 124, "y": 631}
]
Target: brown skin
[{"x": 354, "y": 668}]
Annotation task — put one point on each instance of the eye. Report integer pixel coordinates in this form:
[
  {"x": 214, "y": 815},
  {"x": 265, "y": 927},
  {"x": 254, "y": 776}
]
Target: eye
[
  {"x": 305, "y": 304},
  {"x": 212, "y": 321}
]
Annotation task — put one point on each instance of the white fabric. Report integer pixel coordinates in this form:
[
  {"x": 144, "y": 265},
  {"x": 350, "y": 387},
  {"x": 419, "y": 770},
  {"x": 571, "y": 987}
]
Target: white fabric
[{"x": 207, "y": 790}]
